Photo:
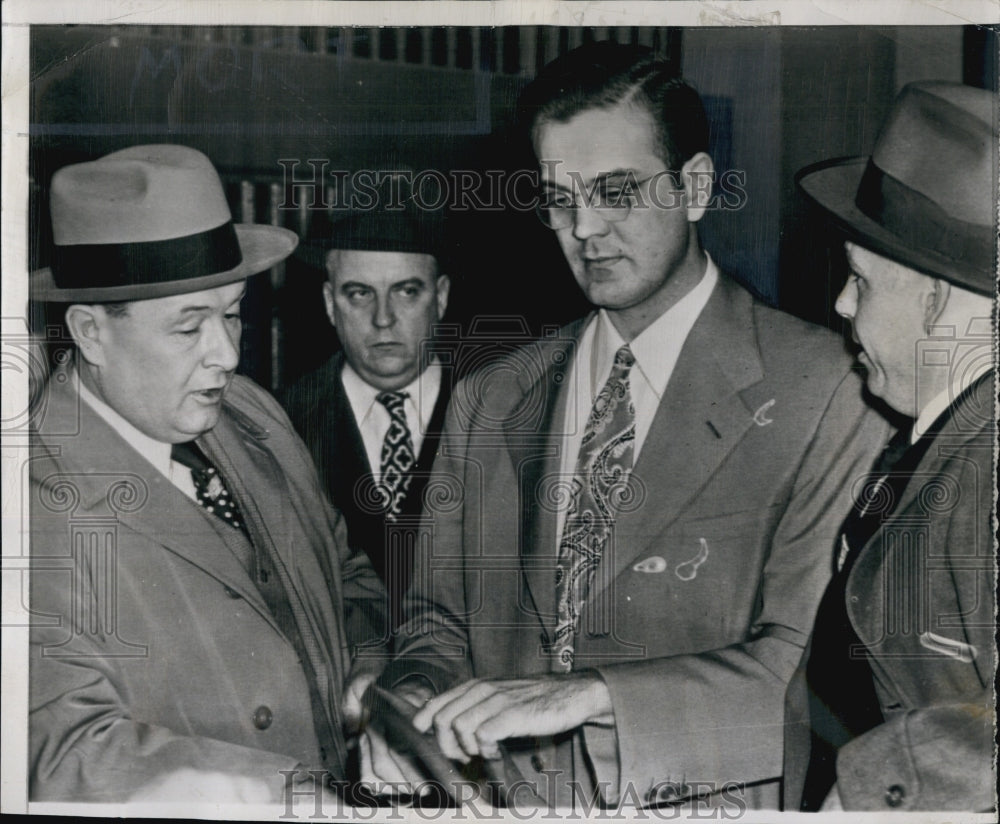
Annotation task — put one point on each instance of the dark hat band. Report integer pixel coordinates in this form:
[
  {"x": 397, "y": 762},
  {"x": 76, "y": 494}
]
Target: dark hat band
[
  {"x": 919, "y": 222},
  {"x": 108, "y": 265}
]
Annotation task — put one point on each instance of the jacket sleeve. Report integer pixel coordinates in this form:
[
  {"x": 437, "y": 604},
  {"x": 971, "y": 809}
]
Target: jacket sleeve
[
  {"x": 941, "y": 756},
  {"x": 717, "y": 716}
]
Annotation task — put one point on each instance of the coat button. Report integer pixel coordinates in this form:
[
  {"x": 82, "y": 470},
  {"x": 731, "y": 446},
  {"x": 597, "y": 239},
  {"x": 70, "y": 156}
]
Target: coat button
[
  {"x": 232, "y": 593},
  {"x": 894, "y": 795},
  {"x": 536, "y": 763},
  {"x": 262, "y": 717}
]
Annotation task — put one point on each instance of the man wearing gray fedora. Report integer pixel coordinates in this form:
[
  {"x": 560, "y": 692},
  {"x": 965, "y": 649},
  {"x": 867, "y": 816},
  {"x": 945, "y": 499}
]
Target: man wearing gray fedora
[
  {"x": 372, "y": 414},
  {"x": 892, "y": 707},
  {"x": 195, "y": 605}
]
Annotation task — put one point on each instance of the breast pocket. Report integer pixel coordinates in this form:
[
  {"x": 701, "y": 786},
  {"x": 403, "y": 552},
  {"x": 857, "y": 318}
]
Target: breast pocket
[
  {"x": 728, "y": 547},
  {"x": 701, "y": 578}
]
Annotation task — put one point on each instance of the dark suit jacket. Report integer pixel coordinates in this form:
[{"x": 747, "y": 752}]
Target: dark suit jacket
[
  {"x": 321, "y": 412},
  {"x": 153, "y": 651},
  {"x": 720, "y": 552},
  {"x": 921, "y": 597}
]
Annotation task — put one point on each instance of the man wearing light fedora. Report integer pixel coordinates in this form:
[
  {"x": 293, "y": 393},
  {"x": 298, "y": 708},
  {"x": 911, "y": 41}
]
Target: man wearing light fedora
[
  {"x": 372, "y": 414},
  {"x": 195, "y": 605},
  {"x": 893, "y": 704}
]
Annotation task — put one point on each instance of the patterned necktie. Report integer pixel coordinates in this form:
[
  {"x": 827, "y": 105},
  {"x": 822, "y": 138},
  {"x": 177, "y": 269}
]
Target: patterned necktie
[
  {"x": 398, "y": 456},
  {"x": 602, "y": 470},
  {"x": 209, "y": 487}
]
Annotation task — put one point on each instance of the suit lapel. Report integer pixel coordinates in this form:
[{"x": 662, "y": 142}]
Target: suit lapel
[
  {"x": 699, "y": 421},
  {"x": 956, "y": 431},
  {"x": 432, "y": 437},
  {"x": 166, "y": 517},
  {"x": 238, "y": 447},
  {"x": 535, "y": 445},
  {"x": 348, "y": 458}
]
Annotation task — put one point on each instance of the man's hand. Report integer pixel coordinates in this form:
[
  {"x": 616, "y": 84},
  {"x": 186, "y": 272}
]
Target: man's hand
[
  {"x": 470, "y": 719},
  {"x": 353, "y": 709},
  {"x": 384, "y": 771}
]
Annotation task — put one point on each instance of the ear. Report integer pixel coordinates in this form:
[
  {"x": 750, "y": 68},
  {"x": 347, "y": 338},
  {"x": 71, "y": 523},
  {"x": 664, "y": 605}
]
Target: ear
[
  {"x": 698, "y": 175},
  {"x": 328, "y": 302},
  {"x": 443, "y": 288},
  {"x": 86, "y": 324},
  {"x": 935, "y": 301}
]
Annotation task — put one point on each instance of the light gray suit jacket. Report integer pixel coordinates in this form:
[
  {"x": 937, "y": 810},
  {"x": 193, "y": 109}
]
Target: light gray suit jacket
[{"x": 698, "y": 614}]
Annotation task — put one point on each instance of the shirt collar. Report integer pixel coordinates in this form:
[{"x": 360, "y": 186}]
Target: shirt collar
[
  {"x": 937, "y": 405},
  {"x": 422, "y": 391},
  {"x": 656, "y": 348},
  {"x": 156, "y": 452}
]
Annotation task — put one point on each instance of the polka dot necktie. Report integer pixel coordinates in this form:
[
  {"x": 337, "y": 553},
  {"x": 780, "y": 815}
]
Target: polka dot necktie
[
  {"x": 397, "y": 456},
  {"x": 603, "y": 468},
  {"x": 209, "y": 487}
]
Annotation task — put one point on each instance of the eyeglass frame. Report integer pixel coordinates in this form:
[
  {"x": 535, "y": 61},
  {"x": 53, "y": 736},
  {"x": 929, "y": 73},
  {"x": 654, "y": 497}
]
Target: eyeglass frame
[{"x": 609, "y": 213}]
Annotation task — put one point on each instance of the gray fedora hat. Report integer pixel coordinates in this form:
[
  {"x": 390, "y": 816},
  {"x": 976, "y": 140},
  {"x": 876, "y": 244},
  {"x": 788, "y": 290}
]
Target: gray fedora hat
[
  {"x": 148, "y": 222},
  {"x": 927, "y": 196}
]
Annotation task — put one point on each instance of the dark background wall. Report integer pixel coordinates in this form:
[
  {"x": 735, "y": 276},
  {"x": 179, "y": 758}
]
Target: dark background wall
[{"x": 442, "y": 99}]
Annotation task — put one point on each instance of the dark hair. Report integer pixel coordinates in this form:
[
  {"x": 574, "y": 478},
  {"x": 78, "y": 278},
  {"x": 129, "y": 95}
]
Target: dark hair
[
  {"x": 603, "y": 74},
  {"x": 116, "y": 310}
]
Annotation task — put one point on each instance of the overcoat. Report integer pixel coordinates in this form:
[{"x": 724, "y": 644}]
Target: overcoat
[
  {"x": 921, "y": 597},
  {"x": 152, "y": 649}
]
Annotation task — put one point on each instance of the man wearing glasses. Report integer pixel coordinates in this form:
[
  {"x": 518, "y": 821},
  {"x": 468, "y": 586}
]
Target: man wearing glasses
[{"x": 648, "y": 503}]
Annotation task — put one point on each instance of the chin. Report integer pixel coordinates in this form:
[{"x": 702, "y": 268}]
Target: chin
[{"x": 198, "y": 425}]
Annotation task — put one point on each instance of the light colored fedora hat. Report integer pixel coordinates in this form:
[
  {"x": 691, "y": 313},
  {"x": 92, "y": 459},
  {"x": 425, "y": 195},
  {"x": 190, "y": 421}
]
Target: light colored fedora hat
[
  {"x": 927, "y": 196},
  {"x": 148, "y": 222}
]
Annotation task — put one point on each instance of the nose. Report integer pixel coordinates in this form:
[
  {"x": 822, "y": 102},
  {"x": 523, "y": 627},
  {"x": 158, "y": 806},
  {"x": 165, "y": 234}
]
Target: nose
[
  {"x": 222, "y": 346},
  {"x": 587, "y": 222},
  {"x": 847, "y": 300},
  {"x": 385, "y": 314}
]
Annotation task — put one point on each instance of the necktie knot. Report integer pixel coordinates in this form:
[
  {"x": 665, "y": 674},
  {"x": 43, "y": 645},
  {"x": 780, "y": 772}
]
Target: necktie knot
[
  {"x": 393, "y": 401},
  {"x": 190, "y": 455},
  {"x": 624, "y": 360}
]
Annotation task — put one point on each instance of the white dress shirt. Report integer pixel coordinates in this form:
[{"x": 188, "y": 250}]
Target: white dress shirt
[
  {"x": 656, "y": 350},
  {"x": 156, "y": 452},
  {"x": 373, "y": 418}
]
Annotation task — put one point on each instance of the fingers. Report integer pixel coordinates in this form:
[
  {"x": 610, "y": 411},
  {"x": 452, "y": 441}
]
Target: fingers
[
  {"x": 456, "y": 742},
  {"x": 471, "y": 719},
  {"x": 384, "y": 771},
  {"x": 353, "y": 709}
]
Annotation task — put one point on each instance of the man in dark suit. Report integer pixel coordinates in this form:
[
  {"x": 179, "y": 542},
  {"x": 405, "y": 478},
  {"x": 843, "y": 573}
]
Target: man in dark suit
[
  {"x": 892, "y": 707},
  {"x": 626, "y": 574},
  {"x": 194, "y": 603},
  {"x": 372, "y": 415}
]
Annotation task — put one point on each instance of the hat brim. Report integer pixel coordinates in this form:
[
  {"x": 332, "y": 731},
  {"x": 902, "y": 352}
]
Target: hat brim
[
  {"x": 833, "y": 184},
  {"x": 261, "y": 247}
]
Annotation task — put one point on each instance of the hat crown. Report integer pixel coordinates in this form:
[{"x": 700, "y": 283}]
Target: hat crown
[
  {"x": 940, "y": 141},
  {"x": 138, "y": 194}
]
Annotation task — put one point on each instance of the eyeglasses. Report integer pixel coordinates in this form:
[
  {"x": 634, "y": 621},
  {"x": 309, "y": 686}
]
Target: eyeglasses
[{"x": 612, "y": 201}]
